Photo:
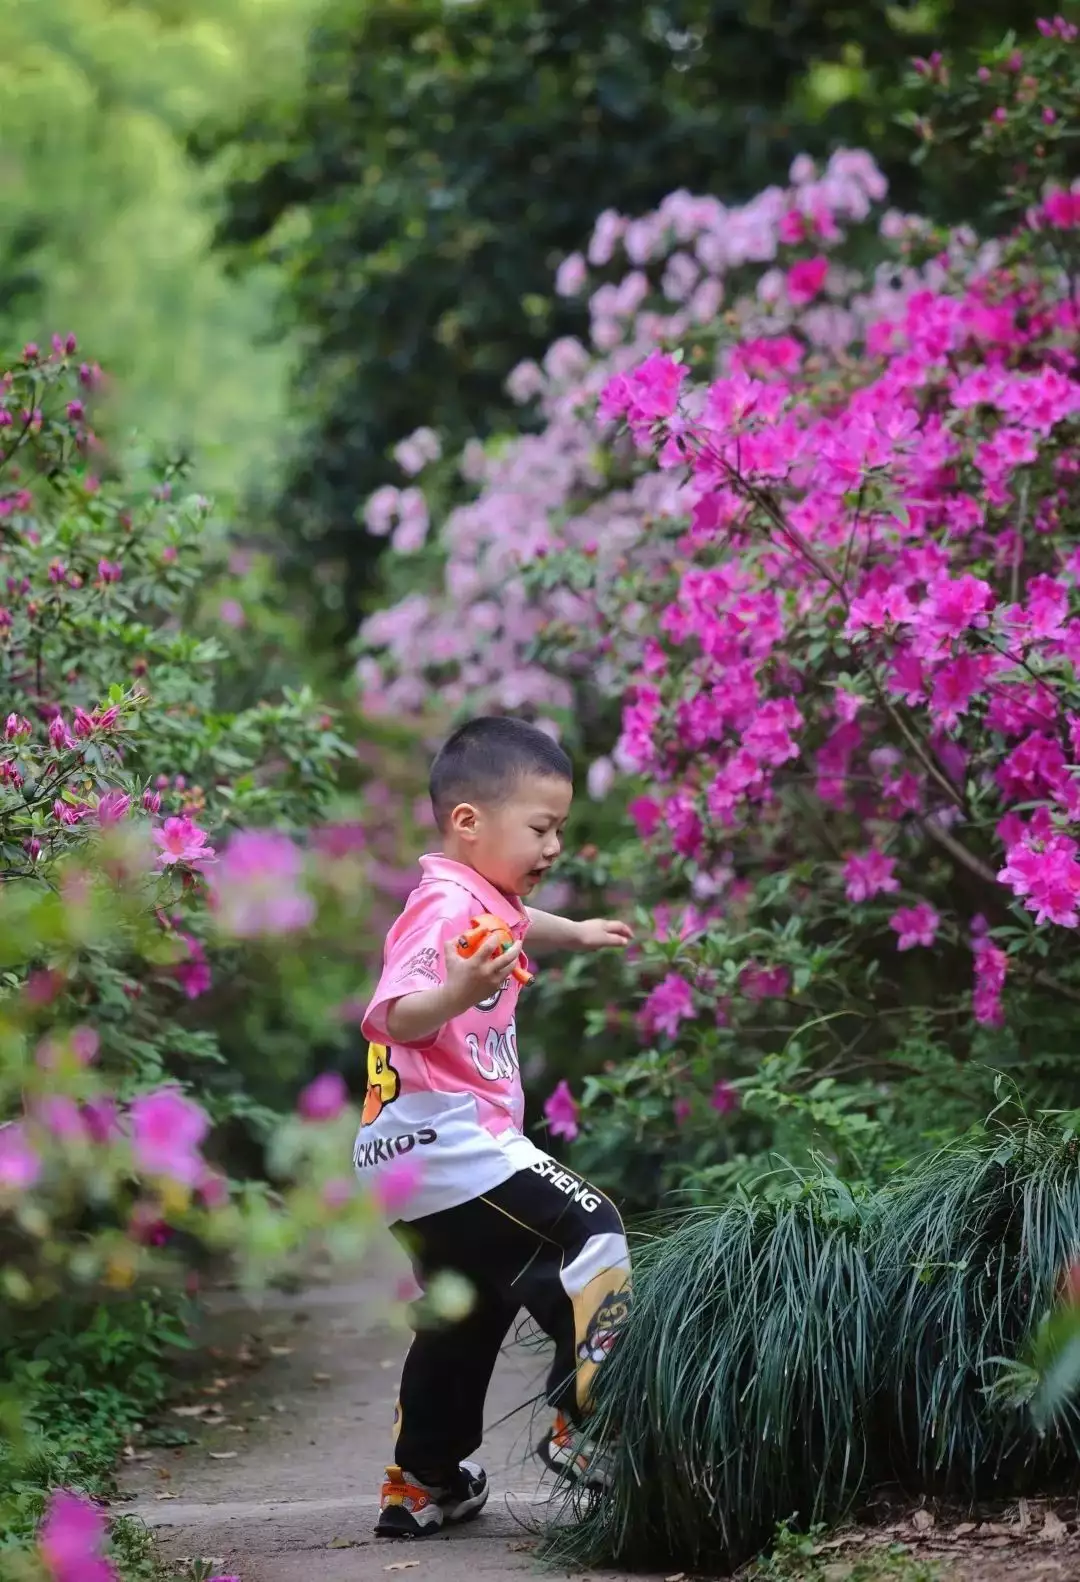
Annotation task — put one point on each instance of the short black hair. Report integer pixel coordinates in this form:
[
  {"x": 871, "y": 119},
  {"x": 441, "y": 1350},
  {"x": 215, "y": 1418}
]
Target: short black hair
[{"x": 483, "y": 760}]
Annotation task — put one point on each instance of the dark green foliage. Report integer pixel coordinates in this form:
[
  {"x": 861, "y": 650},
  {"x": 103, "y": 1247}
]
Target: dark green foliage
[
  {"x": 782, "y": 1357},
  {"x": 445, "y": 157},
  {"x": 87, "y": 1380}
]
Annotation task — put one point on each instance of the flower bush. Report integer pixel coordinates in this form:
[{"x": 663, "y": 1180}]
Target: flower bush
[
  {"x": 158, "y": 852},
  {"x": 791, "y": 561}
]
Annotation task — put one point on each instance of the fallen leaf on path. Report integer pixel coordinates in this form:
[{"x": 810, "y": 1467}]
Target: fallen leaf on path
[
  {"x": 521, "y": 1549},
  {"x": 963, "y": 1529},
  {"x": 166, "y": 1496},
  {"x": 922, "y": 1521},
  {"x": 324, "y": 1378},
  {"x": 1053, "y": 1528},
  {"x": 137, "y": 1455},
  {"x": 680, "y": 1576},
  {"x": 402, "y": 1565},
  {"x": 223, "y": 1455},
  {"x": 343, "y": 1543},
  {"x": 282, "y": 1351},
  {"x": 189, "y": 1411}
]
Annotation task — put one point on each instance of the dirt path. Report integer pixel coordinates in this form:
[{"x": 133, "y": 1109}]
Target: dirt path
[{"x": 280, "y": 1483}]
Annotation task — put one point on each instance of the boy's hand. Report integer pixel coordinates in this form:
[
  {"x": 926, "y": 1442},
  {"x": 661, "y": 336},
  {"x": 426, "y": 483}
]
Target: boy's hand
[
  {"x": 604, "y": 933},
  {"x": 471, "y": 979}
]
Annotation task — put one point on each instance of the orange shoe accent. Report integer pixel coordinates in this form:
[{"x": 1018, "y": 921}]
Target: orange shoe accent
[{"x": 396, "y": 1491}]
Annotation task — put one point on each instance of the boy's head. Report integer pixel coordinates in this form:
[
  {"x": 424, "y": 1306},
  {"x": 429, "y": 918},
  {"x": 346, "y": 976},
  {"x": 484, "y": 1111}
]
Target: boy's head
[{"x": 501, "y": 792}]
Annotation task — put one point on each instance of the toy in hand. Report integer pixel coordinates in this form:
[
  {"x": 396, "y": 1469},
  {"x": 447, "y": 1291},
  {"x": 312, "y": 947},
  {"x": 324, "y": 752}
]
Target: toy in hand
[{"x": 480, "y": 931}]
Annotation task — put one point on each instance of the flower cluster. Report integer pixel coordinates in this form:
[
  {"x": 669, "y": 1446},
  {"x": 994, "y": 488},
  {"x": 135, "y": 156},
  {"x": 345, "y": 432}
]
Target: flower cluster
[{"x": 812, "y": 523}]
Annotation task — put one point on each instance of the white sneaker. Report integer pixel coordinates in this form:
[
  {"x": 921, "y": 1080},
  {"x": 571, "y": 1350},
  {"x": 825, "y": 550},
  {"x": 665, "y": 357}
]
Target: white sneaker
[
  {"x": 566, "y": 1451},
  {"x": 411, "y": 1509}
]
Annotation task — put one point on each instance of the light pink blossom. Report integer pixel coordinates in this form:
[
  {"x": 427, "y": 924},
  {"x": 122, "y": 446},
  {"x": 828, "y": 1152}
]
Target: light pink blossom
[{"x": 561, "y": 1112}]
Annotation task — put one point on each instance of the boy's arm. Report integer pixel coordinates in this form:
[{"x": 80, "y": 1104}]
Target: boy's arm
[
  {"x": 549, "y": 932},
  {"x": 415, "y": 1018}
]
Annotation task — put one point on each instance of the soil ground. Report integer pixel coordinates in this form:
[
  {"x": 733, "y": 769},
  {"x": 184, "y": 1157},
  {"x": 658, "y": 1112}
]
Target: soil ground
[{"x": 288, "y": 1440}]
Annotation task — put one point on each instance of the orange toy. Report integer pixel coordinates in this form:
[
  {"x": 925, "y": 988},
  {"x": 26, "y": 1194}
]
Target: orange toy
[{"x": 480, "y": 930}]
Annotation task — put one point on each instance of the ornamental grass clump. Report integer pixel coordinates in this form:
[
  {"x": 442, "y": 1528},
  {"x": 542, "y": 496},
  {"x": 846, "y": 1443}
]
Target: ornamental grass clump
[
  {"x": 974, "y": 1242},
  {"x": 739, "y": 1392},
  {"x": 783, "y": 1358}
]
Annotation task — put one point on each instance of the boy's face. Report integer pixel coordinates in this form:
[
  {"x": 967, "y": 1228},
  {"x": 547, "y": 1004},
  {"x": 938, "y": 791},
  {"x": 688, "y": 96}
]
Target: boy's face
[{"x": 513, "y": 842}]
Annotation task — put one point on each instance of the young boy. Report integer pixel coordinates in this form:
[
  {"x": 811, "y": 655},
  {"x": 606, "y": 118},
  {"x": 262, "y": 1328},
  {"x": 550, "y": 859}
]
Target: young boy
[{"x": 444, "y": 1087}]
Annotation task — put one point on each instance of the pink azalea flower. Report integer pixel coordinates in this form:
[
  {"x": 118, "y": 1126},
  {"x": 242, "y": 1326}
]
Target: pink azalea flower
[
  {"x": 20, "y": 1165},
  {"x": 193, "y": 974},
  {"x": 681, "y": 1110},
  {"x": 71, "y": 1539},
  {"x": 102, "y": 1117},
  {"x": 325, "y": 1098},
  {"x": 670, "y": 1003},
  {"x": 725, "y": 1098},
  {"x": 805, "y": 279},
  {"x": 764, "y": 983},
  {"x": 916, "y": 925},
  {"x": 868, "y": 875},
  {"x": 84, "y": 1043},
  {"x": 112, "y": 807},
  {"x": 258, "y": 888},
  {"x": 182, "y": 841},
  {"x": 395, "y": 1185},
  {"x": 61, "y": 1116},
  {"x": 167, "y": 1130},
  {"x": 561, "y": 1112}
]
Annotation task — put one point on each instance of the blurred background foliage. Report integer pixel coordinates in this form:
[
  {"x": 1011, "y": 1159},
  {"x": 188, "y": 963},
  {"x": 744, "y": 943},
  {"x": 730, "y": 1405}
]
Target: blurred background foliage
[{"x": 107, "y": 219}]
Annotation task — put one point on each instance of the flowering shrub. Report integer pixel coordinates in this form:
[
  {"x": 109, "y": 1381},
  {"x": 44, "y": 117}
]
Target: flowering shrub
[
  {"x": 792, "y": 559},
  {"x": 135, "y": 899}
]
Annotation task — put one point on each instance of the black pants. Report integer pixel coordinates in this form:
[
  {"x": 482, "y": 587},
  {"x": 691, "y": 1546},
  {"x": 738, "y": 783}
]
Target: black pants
[{"x": 545, "y": 1241}]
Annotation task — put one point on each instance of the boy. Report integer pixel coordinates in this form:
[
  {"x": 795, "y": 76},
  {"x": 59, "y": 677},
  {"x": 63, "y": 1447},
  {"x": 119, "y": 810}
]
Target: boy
[{"x": 444, "y": 1088}]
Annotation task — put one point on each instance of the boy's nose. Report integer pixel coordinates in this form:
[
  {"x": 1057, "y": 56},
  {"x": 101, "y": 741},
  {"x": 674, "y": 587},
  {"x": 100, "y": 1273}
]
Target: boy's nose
[{"x": 552, "y": 848}]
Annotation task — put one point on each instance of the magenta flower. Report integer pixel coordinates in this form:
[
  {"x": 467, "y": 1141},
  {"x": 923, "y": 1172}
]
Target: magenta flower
[
  {"x": 395, "y": 1185},
  {"x": 670, "y": 1003},
  {"x": 102, "y": 1119},
  {"x": 61, "y": 1116},
  {"x": 916, "y": 925},
  {"x": 180, "y": 840},
  {"x": 112, "y": 807},
  {"x": 681, "y": 1110},
  {"x": 869, "y": 875},
  {"x": 325, "y": 1098},
  {"x": 561, "y": 1112},
  {"x": 71, "y": 1539},
  {"x": 20, "y": 1165},
  {"x": 764, "y": 983},
  {"x": 725, "y": 1098},
  {"x": 258, "y": 889},
  {"x": 805, "y": 279},
  {"x": 84, "y": 1043},
  {"x": 167, "y": 1130},
  {"x": 193, "y": 974}
]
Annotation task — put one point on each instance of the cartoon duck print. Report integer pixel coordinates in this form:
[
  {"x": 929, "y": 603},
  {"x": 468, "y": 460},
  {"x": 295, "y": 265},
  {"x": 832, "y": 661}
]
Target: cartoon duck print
[{"x": 383, "y": 1083}]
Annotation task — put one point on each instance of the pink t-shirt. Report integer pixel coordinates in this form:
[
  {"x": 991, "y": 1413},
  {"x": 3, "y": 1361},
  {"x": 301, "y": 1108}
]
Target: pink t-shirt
[{"x": 455, "y": 1099}]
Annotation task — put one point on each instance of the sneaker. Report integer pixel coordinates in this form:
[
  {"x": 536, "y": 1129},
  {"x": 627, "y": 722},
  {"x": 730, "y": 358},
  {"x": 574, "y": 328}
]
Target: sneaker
[
  {"x": 566, "y": 1452},
  {"x": 411, "y": 1509}
]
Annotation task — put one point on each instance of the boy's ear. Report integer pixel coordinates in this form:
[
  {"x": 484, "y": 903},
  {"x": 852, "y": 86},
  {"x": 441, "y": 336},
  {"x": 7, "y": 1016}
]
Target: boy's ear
[{"x": 464, "y": 820}]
